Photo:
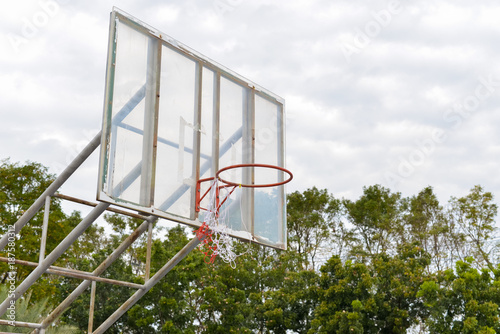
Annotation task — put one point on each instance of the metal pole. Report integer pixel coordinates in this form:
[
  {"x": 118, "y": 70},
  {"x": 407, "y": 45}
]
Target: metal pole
[
  {"x": 87, "y": 151},
  {"x": 148, "y": 252},
  {"x": 148, "y": 285},
  {"x": 91, "y": 311},
  {"x": 93, "y": 278},
  {"x": 88, "y": 203},
  {"x": 99, "y": 270},
  {"x": 146, "y": 192},
  {"x": 44, "y": 229},
  {"x": 54, "y": 255},
  {"x": 19, "y": 324},
  {"x": 83, "y": 275}
]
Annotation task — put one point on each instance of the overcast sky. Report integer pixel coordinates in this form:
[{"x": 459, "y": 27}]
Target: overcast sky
[{"x": 405, "y": 94}]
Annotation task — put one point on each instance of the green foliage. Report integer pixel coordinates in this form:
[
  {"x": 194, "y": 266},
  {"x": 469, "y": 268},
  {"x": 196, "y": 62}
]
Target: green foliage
[
  {"x": 290, "y": 305},
  {"x": 311, "y": 218},
  {"x": 427, "y": 226},
  {"x": 28, "y": 311},
  {"x": 464, "y": 300},
  {"x": 381, "y": 263},
  {"x": 376, "y": 298},
  {"x": 474, "y": 217},
  {"x": 20, "y": 186},
  {"x": 376, "y": 220}
]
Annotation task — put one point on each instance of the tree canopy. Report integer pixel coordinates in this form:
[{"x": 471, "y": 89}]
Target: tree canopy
[{"x": 382, "y": 263}]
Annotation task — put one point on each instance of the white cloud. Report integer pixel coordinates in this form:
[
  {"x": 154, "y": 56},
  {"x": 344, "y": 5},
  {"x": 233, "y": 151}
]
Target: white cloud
[{"x": 348, "y": 122}]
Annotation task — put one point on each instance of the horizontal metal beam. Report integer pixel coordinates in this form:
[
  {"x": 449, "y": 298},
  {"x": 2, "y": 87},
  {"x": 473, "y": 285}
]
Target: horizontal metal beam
[
  {"x": 35, "y": 264},
  {"x": 93, "y": 204},
  {"x": 66, "y": 272},
  {"x": 91, "y": 277},
  {"x": 20, "y": 324}
]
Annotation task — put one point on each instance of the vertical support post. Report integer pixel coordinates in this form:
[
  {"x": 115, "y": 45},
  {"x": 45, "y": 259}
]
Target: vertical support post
[
  {"x": 150, "y": 107},
  {"x": 216, "y": 152},
  {"x": 197, "y": 132},
  {"x": 45, "y": 226},
  {"x": 248, "y": 174},
  {"x": 282, "y": 234},
  {"x": 92, "y": 303},
  {"x": 148, "y": 251}
]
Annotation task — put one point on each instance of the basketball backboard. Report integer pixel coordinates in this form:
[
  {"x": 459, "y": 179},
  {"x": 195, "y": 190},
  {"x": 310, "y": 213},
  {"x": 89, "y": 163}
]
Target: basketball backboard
[{"x": 173, "y": 116}]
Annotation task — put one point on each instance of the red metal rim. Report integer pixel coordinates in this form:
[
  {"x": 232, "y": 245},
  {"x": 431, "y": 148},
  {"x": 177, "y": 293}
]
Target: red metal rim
[{"x": 290, "y": 176}]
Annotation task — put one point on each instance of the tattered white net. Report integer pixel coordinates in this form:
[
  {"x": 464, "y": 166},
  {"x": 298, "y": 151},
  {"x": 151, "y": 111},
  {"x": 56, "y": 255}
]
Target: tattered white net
[{"x": 217, "y": 241}]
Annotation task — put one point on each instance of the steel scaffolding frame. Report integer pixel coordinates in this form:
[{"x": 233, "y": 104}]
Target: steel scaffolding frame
[{"x": 45, "y": 264}]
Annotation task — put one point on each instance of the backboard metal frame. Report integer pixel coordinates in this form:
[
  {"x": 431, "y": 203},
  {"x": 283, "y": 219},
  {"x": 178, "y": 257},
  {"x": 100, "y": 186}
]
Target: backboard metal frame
[{"x": 262, "y": 130}]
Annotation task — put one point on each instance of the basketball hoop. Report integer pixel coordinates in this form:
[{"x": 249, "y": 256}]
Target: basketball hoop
[
  {"x": 215, "y": 229},
  {"x": 290, "y": 176}
]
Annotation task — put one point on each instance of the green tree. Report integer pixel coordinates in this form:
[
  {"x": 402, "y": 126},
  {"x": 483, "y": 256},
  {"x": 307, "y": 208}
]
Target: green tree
[
  {"x": 20, "y": 186},
  {"x": 387, "y": 263},
  {"x": 310, "y": 218},
  {"x": 341, "y": 287},
  {"x": 426, "y": 225},
  {"x": 474, "y": 219},
  {"x": 291, "y": 307},
  {"x": 376, "y": 218},
  {"x": 171, "y": 305},
  {"x": 464, "y": 300},
  {"x": 378, "y": 297}
]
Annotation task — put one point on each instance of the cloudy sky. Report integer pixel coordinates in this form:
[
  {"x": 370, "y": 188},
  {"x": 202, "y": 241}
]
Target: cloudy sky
[{"x": 405, "y": 94}]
